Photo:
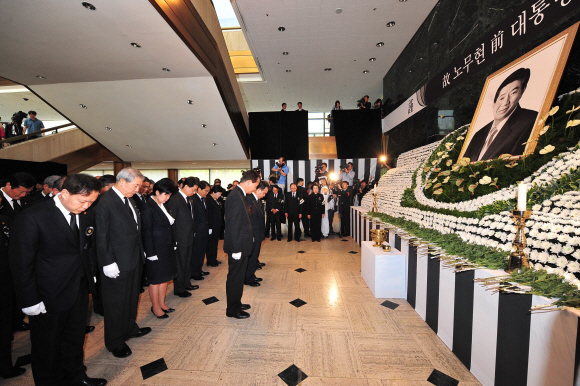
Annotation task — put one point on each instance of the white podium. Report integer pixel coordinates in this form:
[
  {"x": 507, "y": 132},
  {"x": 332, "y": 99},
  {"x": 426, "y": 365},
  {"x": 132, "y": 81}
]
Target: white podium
[{"x": 384, "y": 272}]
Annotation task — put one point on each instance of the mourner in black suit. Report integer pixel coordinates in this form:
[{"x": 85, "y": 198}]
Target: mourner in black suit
[
  {"x": 121, "y": 257},
  {"x": 303, "y": 193},
  {"x": 215, "y": 217},
  {"x": 180, "y": 207},
  {"x": 52, "y": 276},
  {"x": 271, "y": 181},
  {"x": 512, "y": 125},
  {"x": 159, "y": 245},
  {"x": 315, "y": 212},
  {"x": 201, "y": 231},
  {"x": 293, "y": 208},
  {"x": 238, "y": 242},
  {"x": 344, "y": 198},
  {"x": 257, "y": 216},
  {"x": 275, "y": 208}
]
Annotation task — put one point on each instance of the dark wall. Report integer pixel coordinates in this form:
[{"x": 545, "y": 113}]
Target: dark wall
[{"x": 452, "y": 27}]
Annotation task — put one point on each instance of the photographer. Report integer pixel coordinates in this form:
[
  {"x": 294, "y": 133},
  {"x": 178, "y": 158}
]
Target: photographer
[
  {"x": 364, "y": 103},
  {"x": 321, "y": 171},
  {"x": 281, "y": 170},
  {"x": 347, "y": 174}
]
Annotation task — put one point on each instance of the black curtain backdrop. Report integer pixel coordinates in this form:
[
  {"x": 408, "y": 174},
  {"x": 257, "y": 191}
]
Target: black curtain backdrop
[
  {"x": 358, "y": 133},
  {"x": 279, "y": 133},
  {"x": 40, "y": 170}
]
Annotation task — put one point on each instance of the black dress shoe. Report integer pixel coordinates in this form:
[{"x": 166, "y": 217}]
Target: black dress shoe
[
  {"x": 204, "y": 273},
  {"x": 198, "y": 278},
  {"x": 169, "y": 310},
  {"x": 142, "y": 332},
  {"x": 164, "y": 316},
  {"x": 214, "y": 265},
  {"x": 297, "y": 240},
  {"x": 192, "y": 287},
  {"x": 13, "y": 372},
  {"x": 183, "y": 294},
  {"x": 239, "y": 315},
  {"x": 89, "y": 329},
  {"x": 123, "y": 351},
  {"x": 142, "y": 290},
  {"x": 254, "y": 284},
  {"x": 91, "y": 382},
  {"x": 258, "y": 267},
  {"x": 262, "y": 264},
  {"x": 23, "y": 326},
  {"x": 259, "y": 279},
  {"x": 245, "y": 307},
  {"x": 272, "y": 239},
  {"x": 219, "y": 262},
  {"x": 289, "y": 240}
]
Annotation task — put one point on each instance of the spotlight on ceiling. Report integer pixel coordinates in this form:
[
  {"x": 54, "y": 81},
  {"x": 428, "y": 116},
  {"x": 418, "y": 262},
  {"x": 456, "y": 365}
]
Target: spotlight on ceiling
[
  {"x": 129, "y": 146},
  {"x": 402, "y": 1},
  {"x": 372, "y": 59},
  {"x": 165, "y": 69},
  {"x": 288, "y": 70},
  {"x": 365, "y": 71},
  {"x": 214, "y": 144},
  {"x": 136, "y": 45},
  {"x": 189, "y": 102},
  {"x": 380, "y": 44},
  {"x": 203, "y": 125},
  {"x": 41, "y": 77},
  {"x": 83, "y": 106},
  {"x": 89, "y": 6},
  {"x": 108, "y": 128},
  {"x": 328, "y": 69},
  {"x": 285, "y": 53},
  {"x": 338, "y": 11},
  {"x": 391, "y": 24},
  {"x": 281, "y": 29},
  {"x": 383, "y": 158}
]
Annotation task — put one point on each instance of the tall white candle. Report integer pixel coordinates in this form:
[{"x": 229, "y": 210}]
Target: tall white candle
[
  {"x": 375, "y": 190},
  {"x": 522, "y": 196}
]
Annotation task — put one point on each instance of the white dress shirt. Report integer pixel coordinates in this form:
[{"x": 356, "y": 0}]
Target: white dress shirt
[
  {"x": 9, "y": 199},
  {"x": 65, "y": 212},
  {"x": 187, "y": 202},
  {"x": 499, "y": 126},
  {"x": 122, "y": 197}
]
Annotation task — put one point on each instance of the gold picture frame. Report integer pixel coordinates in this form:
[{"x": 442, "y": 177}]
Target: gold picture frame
[{"x": 544, "y": 65}]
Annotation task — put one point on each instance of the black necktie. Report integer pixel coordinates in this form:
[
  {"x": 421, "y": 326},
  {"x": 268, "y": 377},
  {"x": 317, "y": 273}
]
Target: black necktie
[
  {"x": 129, "y": 208},
  {"x": 17, "y": 207},
  {"x": 74, "y": 226},
  {"x": 189, "y": 206}
]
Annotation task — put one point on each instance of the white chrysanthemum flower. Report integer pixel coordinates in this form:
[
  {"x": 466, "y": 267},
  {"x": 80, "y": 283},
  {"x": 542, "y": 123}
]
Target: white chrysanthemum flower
[
  {"x": 561, "y": 262},
  {"x": 547, "y": 203},
  {"x": 552, "y": 259},
  {"x": 536, "y": 207},
  {"x": 556, "y": 248},
  {"x": 567, "y": 249},
  {"x": 563, "y": 238},
  {"x": 543, "y": 257},
  {"x": 573, "y": 267}
]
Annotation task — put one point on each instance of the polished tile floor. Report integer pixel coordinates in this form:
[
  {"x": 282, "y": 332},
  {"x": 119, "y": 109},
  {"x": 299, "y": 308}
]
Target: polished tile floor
[{"x": 342, "y": 336}]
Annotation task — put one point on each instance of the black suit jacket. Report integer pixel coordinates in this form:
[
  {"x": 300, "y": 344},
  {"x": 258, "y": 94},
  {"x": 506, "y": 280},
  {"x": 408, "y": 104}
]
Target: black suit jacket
[
  {"x": 214, "y": 214},
  {"x": 4, "y": 233},
  {"x": 6, "y": 208},
  {"x": 274, "y": 202},
  {"x": 510, "y": 138},
  {"x": 183, "y": 225},
  {"x": 139, "y": 201},
  {"x": 292, "y": 205},
  {"x": 118, "y": 237},
  {"x": 200, "y": 220},
  {"x": 46, "y": 259},
  {"x": 257, "y": 216},
  {"x": 158, "y": 238},
  {"x": 238, "y": 236},
  {"x": 314, "y": 204}
]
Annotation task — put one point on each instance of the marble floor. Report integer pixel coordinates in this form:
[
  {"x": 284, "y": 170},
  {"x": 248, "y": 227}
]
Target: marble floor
[{"x": 342, "y": 336}]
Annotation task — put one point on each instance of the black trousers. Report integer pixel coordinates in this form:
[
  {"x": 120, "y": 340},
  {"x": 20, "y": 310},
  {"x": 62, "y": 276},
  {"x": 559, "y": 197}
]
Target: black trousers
[
  {"x": 97, "y": 298},
  {"x": 253, "y": 261},
  {"x": 235, "y": 283},
  {"x": 294, "y": 222},
  {"x": 345, "y": 222},
  {"x": 277, "y": 223},
  {"x": 182, "y": 280},
  {"x": 306, "y": 225},
  {"x": 268, "y": 223},
  {"x": 330, "y": 218},
  {"x": 120, "y": 301},
  {"x": 212, "y": 246},
  {"x": 7, "y": 300},
  {"x": 316, "y": 227},
  {"x": 198, "y": 254},
  {"x": 57, "y": 340}
]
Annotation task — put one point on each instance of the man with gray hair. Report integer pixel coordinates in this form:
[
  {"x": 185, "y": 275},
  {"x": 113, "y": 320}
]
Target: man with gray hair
[
  {"x": 120, "y": 257},
  {"x": 48, "y": 184}
]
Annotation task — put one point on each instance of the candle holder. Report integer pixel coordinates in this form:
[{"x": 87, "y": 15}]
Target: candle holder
[
  {"x": 519, "y": 259},
  {"x": 375, "y": 209}
]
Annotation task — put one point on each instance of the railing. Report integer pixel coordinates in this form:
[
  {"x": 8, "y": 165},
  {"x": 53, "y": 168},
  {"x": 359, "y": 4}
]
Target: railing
[{"x": 27, "y": 136}]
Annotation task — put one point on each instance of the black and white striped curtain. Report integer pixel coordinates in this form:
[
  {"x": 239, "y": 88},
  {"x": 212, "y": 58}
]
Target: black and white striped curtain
[{"x": 364, "y": 168}]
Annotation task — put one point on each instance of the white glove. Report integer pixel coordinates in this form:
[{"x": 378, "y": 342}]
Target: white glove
[
  {"x": 210, "y": 231},
  {"x": 35, "y": 310},
  {"x": 95, "y": 278},
  {"x": 111, "y": 270},
  {"x": 152, "y": 258},
  {"x": 237, "y": 256}
]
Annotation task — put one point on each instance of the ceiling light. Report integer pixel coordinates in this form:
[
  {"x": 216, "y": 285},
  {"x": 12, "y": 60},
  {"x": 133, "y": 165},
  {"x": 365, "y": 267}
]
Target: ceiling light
[
  {"x": 338, "y": 11},
  {"x": 391, "y": 24},
  {"x": 281, "y": 29},
  {"x": 129, "y": 146},
  {"x": 215, "y": 144},
  {"x": 135, "y": 45},
  {"x": 328, "y": 69},
  {"x": 288, "y": 70},
  {"x": 189, "y": 102},
  {"x": 285, "y": 53},
  {"x": 271, "y": 105},
  {"x": 402, "y": 1},
  {"x": 108, "y": 128},
  {"x": 89, "y": 6},
  {"x": 166, "y": 69},
  {"x": 380, "y": 44},
  {"x": 40, "y": 77},
  {"x": 265, "y": 93},
  {"x": 372, "y": 59},
  {"x": 203, "y": 125},
  {"x": 365, "y": 71},
  {"x": 83, "y": 106}
]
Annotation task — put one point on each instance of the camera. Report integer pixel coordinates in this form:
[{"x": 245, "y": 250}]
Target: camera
[
  {"x": 258, "y": 170},
  {"x": 360, "y": 102},
  {"x": 356, "y": 185},
  {"x": 318, "y": 169},
  {"x": 19, "y": 117}
]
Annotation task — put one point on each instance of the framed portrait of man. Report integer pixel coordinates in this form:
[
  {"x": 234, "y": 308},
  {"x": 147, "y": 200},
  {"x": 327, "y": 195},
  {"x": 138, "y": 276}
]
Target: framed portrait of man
[{"x": 514, "y": 99}]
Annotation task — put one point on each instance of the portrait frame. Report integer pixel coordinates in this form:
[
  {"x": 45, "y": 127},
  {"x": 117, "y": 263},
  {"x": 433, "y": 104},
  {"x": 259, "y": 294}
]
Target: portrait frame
[{"x": 540, "y": 96}]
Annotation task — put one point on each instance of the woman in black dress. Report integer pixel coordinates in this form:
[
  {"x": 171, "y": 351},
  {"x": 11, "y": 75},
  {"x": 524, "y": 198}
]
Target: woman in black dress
[
  {"x": 315, "y": 212},
  {"x": 214, "y": 216},
  {"x": 159, "y": 244}
]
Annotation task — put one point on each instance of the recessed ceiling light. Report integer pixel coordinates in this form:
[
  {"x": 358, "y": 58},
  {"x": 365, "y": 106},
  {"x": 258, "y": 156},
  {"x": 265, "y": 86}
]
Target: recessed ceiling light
[
  {"x": 108, "y": 128},
  {"x": 285, "y": 53},
  {"x": 288, "y": 70},
  {"x": 83, "y": 106},
  {"x": 89, "y": 6},
  {"x": 292, "y": 93},
  {"x": 372, "y": 59},
  {"x": 365, "y": 71},
  {"x": 271, "y": 105},
  {"x": 380, "y": 44},
  {"x": 165, "y": 69},
  {"x": 189, "y": 102},
  {"x": 40, "y": 77},
  {"x": 391, "y": 24},
  {"x": 129, "y": 146},
  {"x": 203, "y": 125},
  {"x": 265, "y": 93},
  {"x": 215, "y": 144},
  {"x": 135, "y": 45},
  {"x": 402, "y": 1},
  {"x": 338, "y": 11},
  {"x": 328, "y": 69},
  {"x": 281, "y": 29}
]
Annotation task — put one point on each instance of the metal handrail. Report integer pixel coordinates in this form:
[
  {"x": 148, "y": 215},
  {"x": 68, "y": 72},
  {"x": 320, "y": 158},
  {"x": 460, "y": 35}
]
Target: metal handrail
[{"x": 25, "y": 136}]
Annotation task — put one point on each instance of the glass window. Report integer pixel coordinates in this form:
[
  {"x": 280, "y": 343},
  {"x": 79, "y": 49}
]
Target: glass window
[
  {"x": 202, "y": 174},
  {"x": 226, "y": 175},
  {"x": 96, "y": 173},
  {"x": 315, "y": 124},
  {"x": 155, "y": 175}
]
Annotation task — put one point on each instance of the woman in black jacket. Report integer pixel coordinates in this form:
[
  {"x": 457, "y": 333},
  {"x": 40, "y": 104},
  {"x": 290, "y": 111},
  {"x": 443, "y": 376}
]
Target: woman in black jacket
[
  {"x": 315, "y": 212},
  {"x": 159, "y": 244},
  {"x": 214, "y": 216}
]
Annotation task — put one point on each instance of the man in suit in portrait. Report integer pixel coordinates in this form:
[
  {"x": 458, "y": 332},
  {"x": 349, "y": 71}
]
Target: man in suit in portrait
[
  {"x": 52, "y": 276},
  {"x": 257, "y": 216},
  {"x": 121, "y": 257},
  {"x": 512, "y": 125},
  {"x": 238, "y": 243},
  {"x": 293, "y": 211},
  {"x": 179, "y": 206},
  {"x": 200, "y": 231}
]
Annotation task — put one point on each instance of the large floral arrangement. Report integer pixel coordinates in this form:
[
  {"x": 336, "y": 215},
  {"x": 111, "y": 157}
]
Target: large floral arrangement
[{"x": 471, "y": 201}]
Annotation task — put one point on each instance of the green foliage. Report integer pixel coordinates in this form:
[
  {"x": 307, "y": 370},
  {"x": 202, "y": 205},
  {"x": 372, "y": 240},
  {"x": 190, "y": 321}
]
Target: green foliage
[{"x": 549, "y": 285}]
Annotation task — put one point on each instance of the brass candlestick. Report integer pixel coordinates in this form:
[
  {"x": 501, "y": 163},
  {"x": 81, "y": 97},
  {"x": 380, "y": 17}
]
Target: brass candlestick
[
  {"x": 519, "y": 258},
  {"x": 375, "y": 209}
]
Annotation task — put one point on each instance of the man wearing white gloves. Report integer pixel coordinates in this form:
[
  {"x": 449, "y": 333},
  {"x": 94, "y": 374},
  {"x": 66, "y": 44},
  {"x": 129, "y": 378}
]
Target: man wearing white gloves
[
  {"x": 120, "y": 255},
  {"x": 52, "y": 276}
]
